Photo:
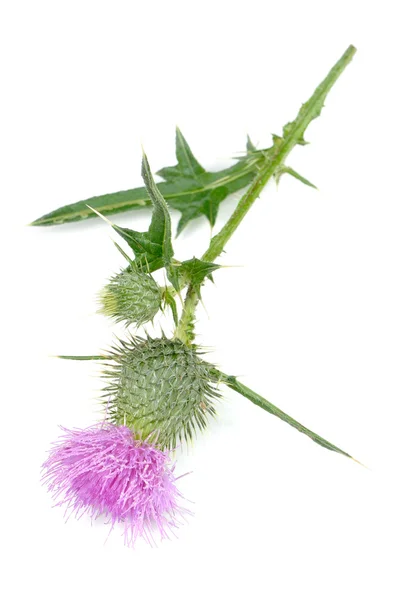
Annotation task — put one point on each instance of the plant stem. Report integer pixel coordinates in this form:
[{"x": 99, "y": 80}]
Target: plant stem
[
  {"x": 292, "y": 135},
  {"x": 242, "y": 389},
  {"x": 185, "y": 329},
  {"x": 281, "y": 152}
]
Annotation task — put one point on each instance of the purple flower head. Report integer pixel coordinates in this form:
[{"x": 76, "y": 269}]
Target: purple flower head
[{"x": 104, "y": 470}]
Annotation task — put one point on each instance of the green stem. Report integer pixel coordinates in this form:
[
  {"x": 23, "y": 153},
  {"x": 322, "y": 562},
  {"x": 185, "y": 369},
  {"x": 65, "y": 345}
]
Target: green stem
[
  {"x": 185, "y": 329},
  {"x": 311, "y": 110},
  {"x": 242, "y": 389},
  {"x": 292, "y": 135}
]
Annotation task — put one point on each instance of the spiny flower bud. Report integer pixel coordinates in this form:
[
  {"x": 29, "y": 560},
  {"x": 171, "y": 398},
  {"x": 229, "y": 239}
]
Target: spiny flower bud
[
  {"x": 160, "y": 388},
  {"x": 107, "y": 470},
  {"x": 131, "y": 296}
]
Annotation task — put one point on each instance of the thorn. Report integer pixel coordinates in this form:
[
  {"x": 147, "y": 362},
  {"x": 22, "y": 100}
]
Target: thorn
[
  {"x": 361, "y": 464},
  {"x": 70, "y": 357},
  {"x": 204, "y": 307},
  {"x": 130, "y": 261},
  {"x": 231, "y": 266},
  {"x": 100, "y": 215}
]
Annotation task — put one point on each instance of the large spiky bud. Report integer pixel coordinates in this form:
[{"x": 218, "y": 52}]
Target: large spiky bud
[
  {"x": 131, "y": 296},
  {"x": 161, "y": 388}
]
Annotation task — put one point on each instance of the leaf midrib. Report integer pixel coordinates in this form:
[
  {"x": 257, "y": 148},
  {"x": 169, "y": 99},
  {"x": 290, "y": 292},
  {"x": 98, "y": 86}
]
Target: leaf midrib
[{"x": 217, "y": 183}]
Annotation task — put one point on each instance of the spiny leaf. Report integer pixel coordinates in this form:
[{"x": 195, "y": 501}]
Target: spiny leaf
[
  {"x": 205, "y": 190},
  {"x": 270, "y": 408},
  {"x": 107, "y": 204},
  {"x": 153, "y": 248},
  {"x": 187, "y": 164},
  {"x": 188, "y": 188},
  {"x": 200, "y": 192},
  {"x": 195, "y": 271}
]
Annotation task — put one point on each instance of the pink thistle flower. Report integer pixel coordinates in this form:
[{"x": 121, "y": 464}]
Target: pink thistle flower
[{"x": 105, "y": 470}]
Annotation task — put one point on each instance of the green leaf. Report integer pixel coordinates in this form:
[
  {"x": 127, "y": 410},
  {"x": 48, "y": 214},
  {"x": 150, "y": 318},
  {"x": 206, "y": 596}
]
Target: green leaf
[
  {"x": 204, "y": 190},
  {"x": 195, "y": 271},
  {"x": 196, "y": 191},
  {"x": 153, "y": 248},
  {"x": 273, "y": 410},
  {"x": 187, "y": 164},
  {"x": 188, "y": 188},
  {"x": 107, "y": 204}
]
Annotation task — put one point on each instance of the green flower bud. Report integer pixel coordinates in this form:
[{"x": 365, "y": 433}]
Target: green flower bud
[
  {"x": 131, "y": 296},
  {"x": 160, "y": 388}
]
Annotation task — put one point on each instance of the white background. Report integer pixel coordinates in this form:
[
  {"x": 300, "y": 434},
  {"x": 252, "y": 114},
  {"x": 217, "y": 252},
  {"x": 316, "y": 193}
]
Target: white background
[{"x": 308, "y": 316}]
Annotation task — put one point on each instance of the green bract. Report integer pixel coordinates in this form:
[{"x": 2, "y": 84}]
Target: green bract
[
  {"x": 161, "y": 388},
  {"x": 131, "y": 296}
]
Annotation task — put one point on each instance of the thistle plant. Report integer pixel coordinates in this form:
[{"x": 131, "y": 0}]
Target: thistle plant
[{"x": 161, "y": 392}]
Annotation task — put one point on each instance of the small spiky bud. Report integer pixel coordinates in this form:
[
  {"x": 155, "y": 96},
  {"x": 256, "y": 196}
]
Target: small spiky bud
[
  {"x": 160, "y": 388},
  {"x": 131, "y": 296}
]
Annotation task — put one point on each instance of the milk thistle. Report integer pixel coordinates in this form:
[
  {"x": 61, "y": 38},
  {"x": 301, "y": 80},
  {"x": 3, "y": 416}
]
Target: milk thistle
[{"x": 161, "y": 392}]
